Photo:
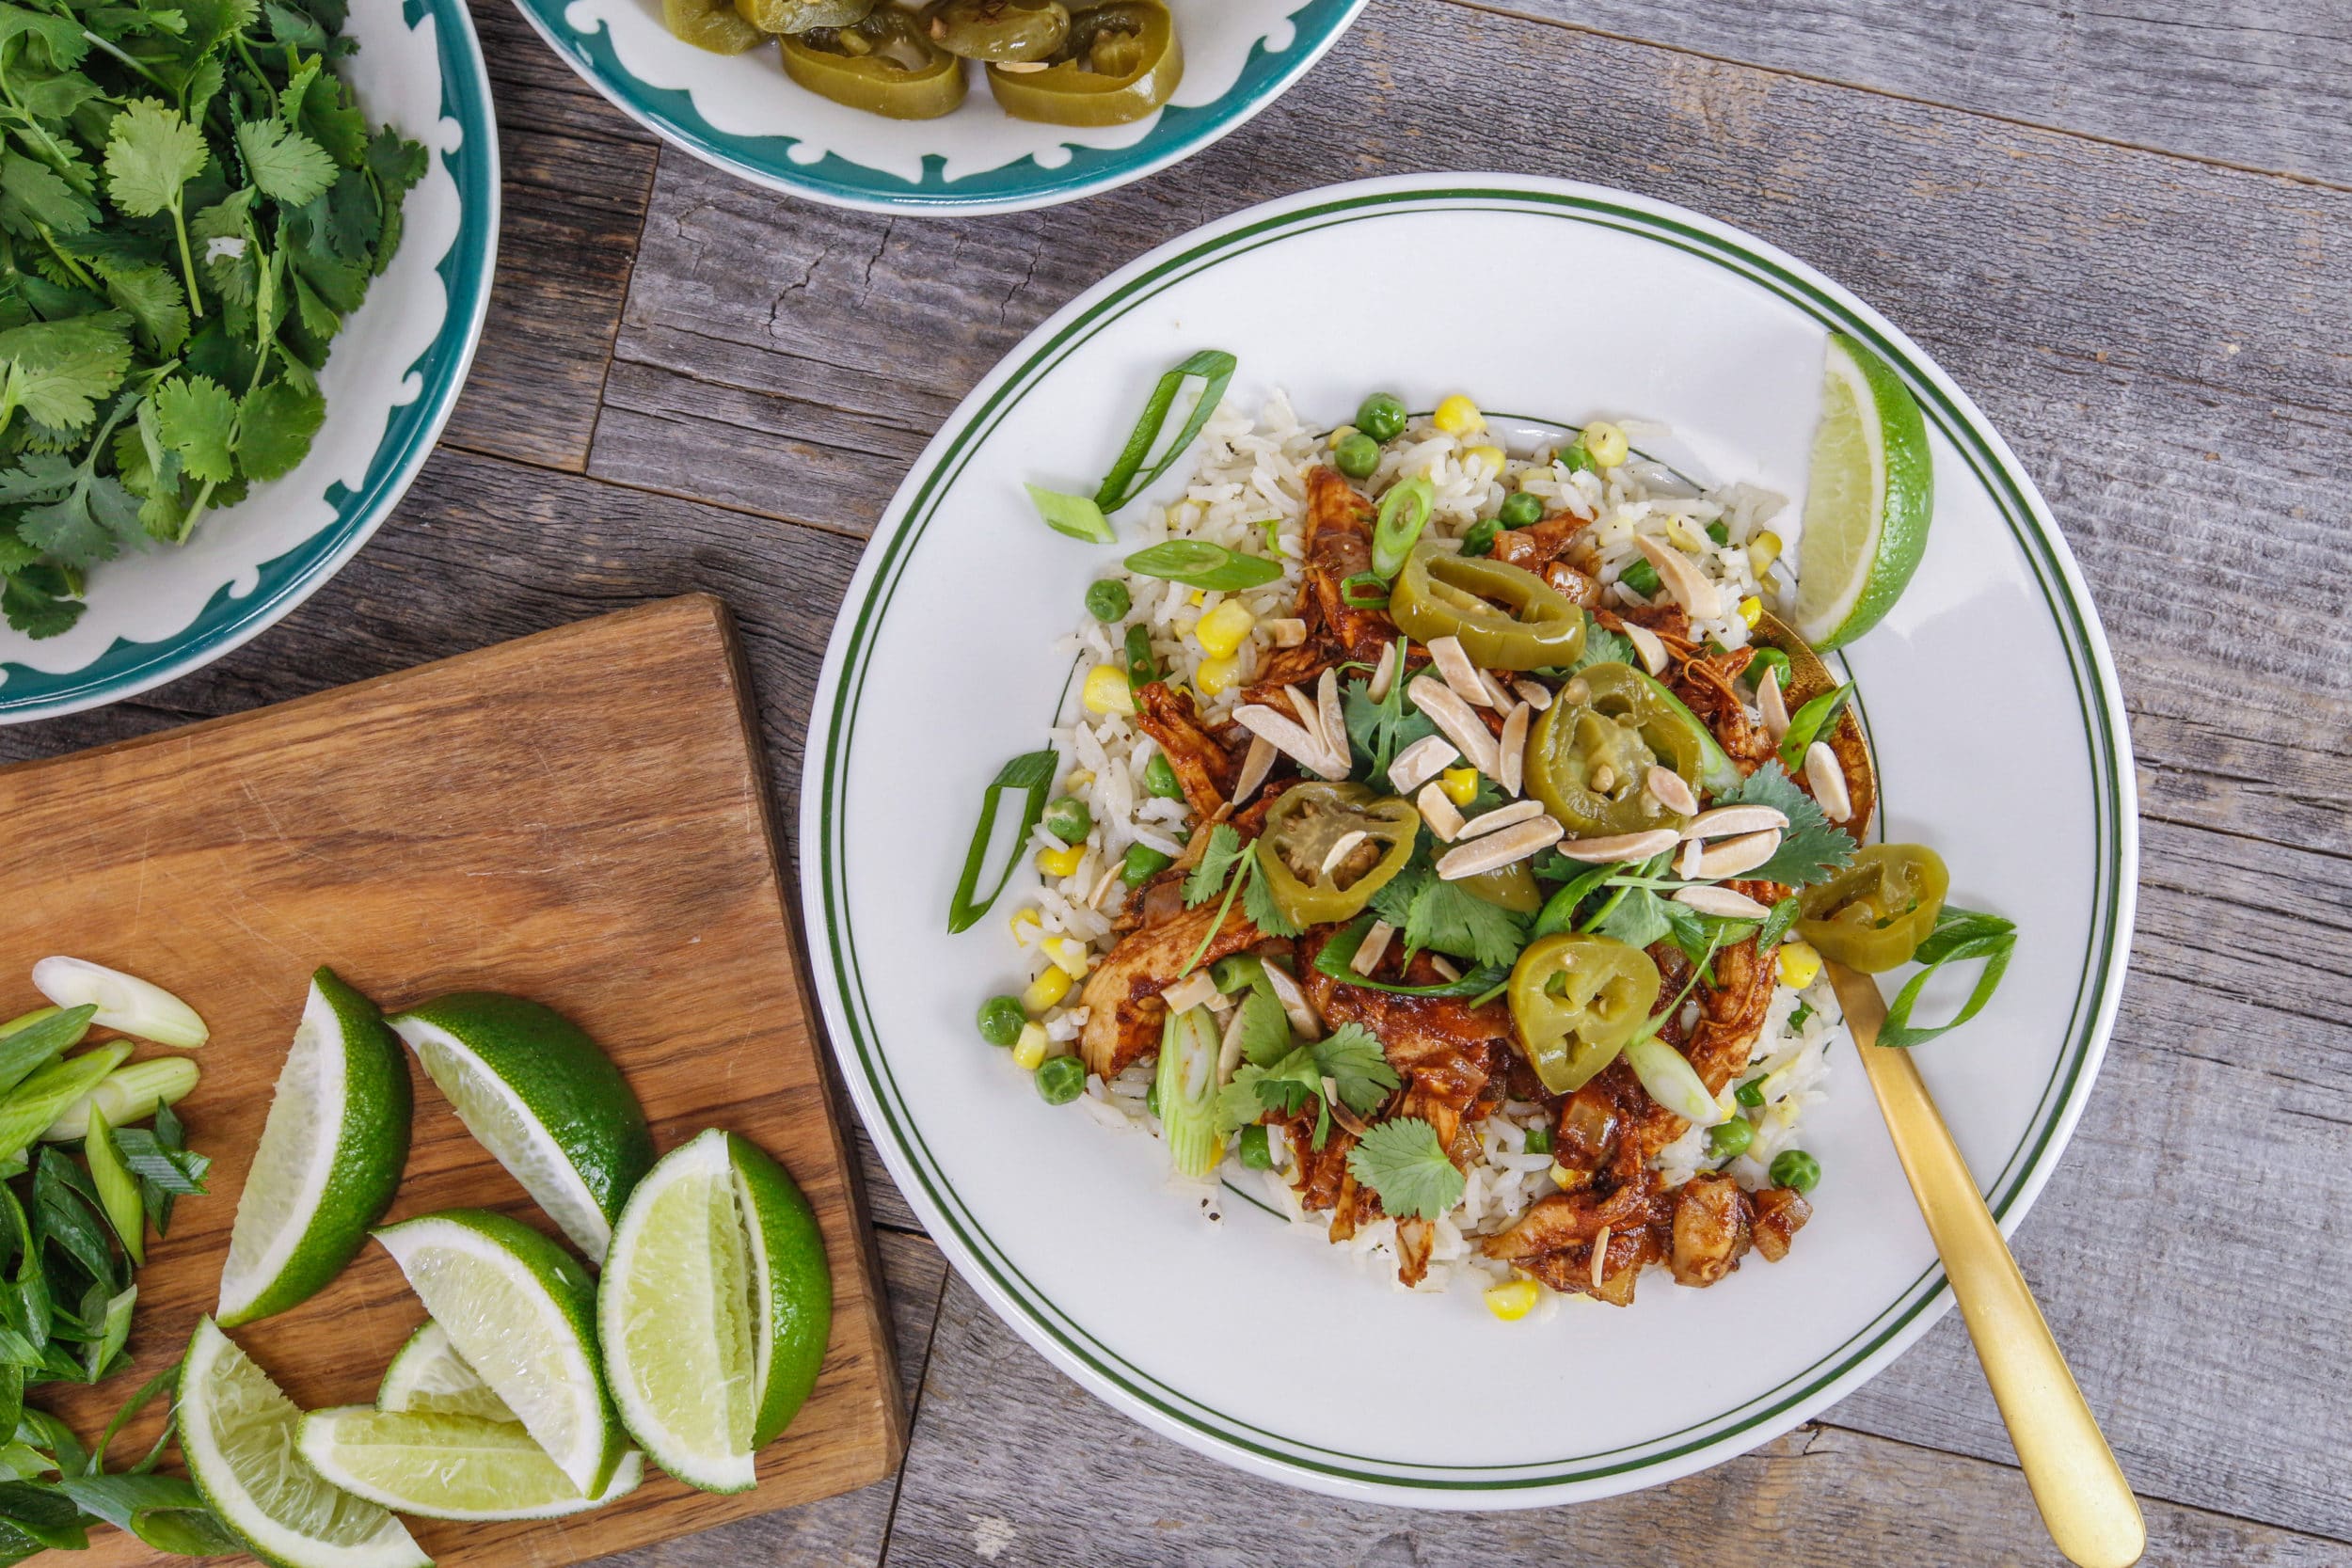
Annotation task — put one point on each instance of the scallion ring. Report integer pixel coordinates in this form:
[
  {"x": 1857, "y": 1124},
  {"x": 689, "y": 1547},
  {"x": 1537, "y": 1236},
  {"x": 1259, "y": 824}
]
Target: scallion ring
[
  {"x": 1032, "y": 775},
  {"x": 1074, "y": 515},
  {"x": 1365, "y": 590},
  {"x": 1404, "y": 513},
  {"x": 1128, "y": 477},
  {"x": 1197, "y": 563}
]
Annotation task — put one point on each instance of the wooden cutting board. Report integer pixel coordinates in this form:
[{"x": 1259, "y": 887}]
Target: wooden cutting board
[{"x": 580, "y": 818}]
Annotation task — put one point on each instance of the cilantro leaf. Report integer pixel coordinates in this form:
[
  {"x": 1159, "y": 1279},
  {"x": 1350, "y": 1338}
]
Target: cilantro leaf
[
  {"x": 153, "y": 297},
  {"x": 1351, "y": 1056},
  {"x": 1449, "y": 918},
  {"x": 33, "y": 197},
  {"x": 36, "y": 611},
  {"x": 1402, "y": 1161},
  {"x": 1638, "y": 919},
  {"x": 1257, "y": 902},
  {"x": 1378, "y": 731},
  {"x": 1265, "y": 1028},
  {"x": 1282, "y": 1089},
  {"x": 152, "y": 152},
  {"x": 88, "y": 523},
  {"x": 1812, "y": 848},
  {"x": 1603, "y": 646},
  {"x": 197, "y": 418},
  {"x": 1207, "y": 879},
  {"x": 1777, "y": 923},
  {"x": 274, "y": 430},
  {"x": 43, "y": 476},
  {"x": 288, "y": 165},
  {"x": 58, "y": 370}
]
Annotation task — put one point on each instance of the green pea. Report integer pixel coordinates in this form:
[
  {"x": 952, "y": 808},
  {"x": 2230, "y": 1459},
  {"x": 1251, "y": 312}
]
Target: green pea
[
  {"x": 1109, "y": 600},
  {"x": 1799, "y": 1014},
  {"x": 1060, "y": 1079},
  {"x": 1763, "y": 660},
  {"x": 1576, "y": 458},
  {"x": 1794, "y": 1167},
  {"x": 1480, "y": 540},
  {"x": 1257, "y": 1150},
  {"x": 1357, "y": 456},
  {"x": 1719, "y": 534},
  {"x": 1382, "y": 417},
  {"x": 1001, "y": 1018},
  {"x": 1159, "y": 777},
  {"x": 1641, "y": 577},
  {"x": 1067, "y": 818},
  {"x": 1521, "y": 509},
  {"x": 1750, "y": 1094},
  {"x": 1142, "y": 863},
  {"x": 1539, "y": 1140},
  {"x": 1728, "y": 1139}
]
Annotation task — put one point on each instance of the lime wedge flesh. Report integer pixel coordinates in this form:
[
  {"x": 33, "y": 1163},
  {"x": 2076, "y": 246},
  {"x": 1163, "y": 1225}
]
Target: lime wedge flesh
[
  {"x": 521, "y": 1312},
  {"x": 541, "y": 1096},
  {"x": 1869, "y": 496},
  {"x": 238, "y": 1433},
  {"x": 443, "y": 1466},
  {"x": 428, "y": 1377},
  {"x": 329, "y": 1157}
]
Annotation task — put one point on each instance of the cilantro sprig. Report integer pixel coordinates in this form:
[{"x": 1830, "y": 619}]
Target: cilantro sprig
[
  {"x": 1229, "y": 863},
  {"x": 1812, "y": 849},
  {"x": 191, "y": 204},
  {"x": 1402, "y": 1160},
  {"x": 1350, "y": 1057}
]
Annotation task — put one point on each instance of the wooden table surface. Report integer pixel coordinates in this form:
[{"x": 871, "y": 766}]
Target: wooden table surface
[{"x": 2128, "y": 235}]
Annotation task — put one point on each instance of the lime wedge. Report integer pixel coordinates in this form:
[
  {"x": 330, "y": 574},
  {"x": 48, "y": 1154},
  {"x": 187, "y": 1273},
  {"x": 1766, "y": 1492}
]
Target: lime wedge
[
  {"x": 441, "y": 1466},
  {"x": 238, "y": 1434},
  {"x": 329, "y": 1157},
  {"x": 1868, "y": 498},
  {"x": 521, "y": 1312},
  {"x": 430, "y": 1378},
  {"x": 791, "y": 1288},
  {"x": 538, "y": 1094}
]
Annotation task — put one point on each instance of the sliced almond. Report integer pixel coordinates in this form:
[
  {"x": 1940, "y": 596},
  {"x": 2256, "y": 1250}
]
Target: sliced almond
[
  {"x": 1286, "y": 631},
  {"x": 1440, "y": 811},
  {"x": 1303, "y": 1022},
  {"x": 1620, "y": 846},
  {"x": 1287, "y": 734},
  {"x": 1338, "y": 1107},
  {"x": 1533, "y": 693},
  {"x": 1374, "y": 948},
  {"x": 1459, "y": 673},
  {"x": 1646, "y": 643},
  {"x": 1601, "y": 1258},
  {"x": 1456, "y": 722},
  {"x": 1725, "y": 820},
  {"x": 1304, "y": 706},
  {"x": 1769, "y": 704},
  {"x": 1687, "y": 862},
  {"x": 1102, "y": 885},
  {"x": 1671, "y": 793},
  {"x": 1438, "y": 963},
  {"x": 1421, "y": 762},
  {"x": 1730, "y": 857},
  {"x": 1497, "y": 695},
  {"x": 1501, "y": 817},
  {"x": 1511, "y": 750},
  {"x": 1699, "y": 598},
  {"x": 1228, "y": 1049},
  {"x": 1340, "y": 850},
  {"x": 1498, "y": 850},
  {"x": 1334, "y": 724},
  {"x": 1721, "y": 900},
  {"x": 1828, "y": 779},
  {"x": 1254, "y": 767},
  {"x": 1384, "y": 672},
  {"x": 1194, "y": 989}
]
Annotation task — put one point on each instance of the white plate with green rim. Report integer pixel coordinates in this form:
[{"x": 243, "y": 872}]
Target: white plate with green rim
[
  {"x": 390, "y": 380},
  {"x": 741, "y": 114},
  {"x": 1237, "y": 1340}
]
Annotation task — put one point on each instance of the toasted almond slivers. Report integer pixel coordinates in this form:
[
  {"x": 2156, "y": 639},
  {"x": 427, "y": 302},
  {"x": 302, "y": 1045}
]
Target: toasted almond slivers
[
  {"x": 1102, "y": 885},
  {"x": 1687, "y": 862},
  {"x": 1304, "y": 706},
  {"x": 1459, "y": 673},
  {"x": 1620, "y": 846},
  {"x": 1533, "y": 694},
  {"x": 1228, "y": 1049},
  {"x": 1287, "y": 734},
  {"x": 1303, "y": 1022},
  {"x": 1600, "y": 1256},
  {"x": 1440, "y": 811},
  {"x": 1286, "y": 631},
  {"x": 1498, "y": 850},
  {"x": 1647, "y": 644},
  {"x": 1456, "y": 722},
  {"x": 1338, "y": 1107},
  {"x": 1437, "y": 963},
  {"x": 1723, "y": 821},
  {"x": 1374, "y": 948},
  {"x": 1769, "y": 704},
  {"x": 1497, "y": 695},
  {"x": 1721, "y": 900},
  {"x": 1828, "y": 779},
  {"x": 1334, "y": 723},
  {"x": 1671, "y": 793},
  {"x": 1511, "y": 751},
  {"x": 1384, "y": 672},
  {"x": 1421, "y": 762},
  {"x": 1730, "y": 857},
  {"x": 1501, "y": 817},
  {"x": 1347, "y": 842},
  {"x": 1699, "y": 598},
  {"x": 1254, "y": 767},
  {"x": 1194, "y": 989}
]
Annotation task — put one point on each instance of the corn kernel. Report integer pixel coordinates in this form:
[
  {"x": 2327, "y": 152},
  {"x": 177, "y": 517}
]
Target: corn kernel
[
  {"x": 1605, "y": 444},
  {"x": 1460, "y": 784},
  {"x": 1063, "y": 862},
  {"x": 1490, "y": 457},
  {"x": 1763, "y": 550},
  {"x": 1342, "y": 434},
  {"x": 1561, "y": 1174},
  {"x": 1513, "y": 1300},
  {"x": 1029, "y": 1050},
  {"x": 1800, "y": 965},
  {"x": 1026, "y": 925},
  {"x": 1751, "y": 609},
  {"x": 1458, "y": 416},
  {"x": 1070, "y": 956},
  {"x": 1215, "y": 675},
  {"x": 1106, "y": 691},
  {"x": 1079, "y": 778},
  {"x": 1045, "y": 990},
  {"x": 1221, "y": 629},
  {"x": 1684, "y": 537},
  {"x": 1198, "y": 597}
]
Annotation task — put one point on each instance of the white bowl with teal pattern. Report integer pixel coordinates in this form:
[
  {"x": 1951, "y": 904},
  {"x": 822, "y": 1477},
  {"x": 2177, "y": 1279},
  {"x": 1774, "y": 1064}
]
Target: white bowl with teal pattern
[
  {"x": 743, "y": 113},
  {"x": 390, "y": 381}
]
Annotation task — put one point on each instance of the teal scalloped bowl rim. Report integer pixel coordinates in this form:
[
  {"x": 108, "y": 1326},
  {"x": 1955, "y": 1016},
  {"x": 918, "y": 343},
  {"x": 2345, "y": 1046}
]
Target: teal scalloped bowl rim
[
  {"x": 670, "y": 113},
  {"x": 230, "y": 620}
]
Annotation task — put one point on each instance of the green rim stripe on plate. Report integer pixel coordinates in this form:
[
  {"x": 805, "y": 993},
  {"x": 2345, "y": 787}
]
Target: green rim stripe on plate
[{"x": 2025, "y": 525}]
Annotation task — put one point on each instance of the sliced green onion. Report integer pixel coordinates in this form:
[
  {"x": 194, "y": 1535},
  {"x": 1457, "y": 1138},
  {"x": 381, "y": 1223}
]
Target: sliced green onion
[
  {"x": 1800, "y": 1014},
  {"x": 126, "y": 1003},
  {"x": 1672, "y": 1081},
  {"x": 1257, "y": 1153},
  {"x": 1958, "y": 936},
  {"x": 1128, "y": 477},
  {"x": 129, "y": 1094},
  {"x": 1143, "y": 669},
  {"x": 1641, "y": 577},
  {"x": 1030, "y": 773},
  {"x": 1750, "y": 1094},
  {"x": 1404, "y": 513},
  {"x": 50, "y": 1034},
  {"x": 1197, "y": 563},
  {"x": 1365, "y": 590},
  {"x": 1273, "y": 527},
  {"x": 1075, "y": 516},
  {"x": 116, "y": 1332},
  {"x": 1806, "y": 724},
  {"x": 1188, "y": 1082},
  {"x": 118, "y": 1189},
  {"x": 37, "y": 1100},
  {"x": 1539, "y": 1140}
]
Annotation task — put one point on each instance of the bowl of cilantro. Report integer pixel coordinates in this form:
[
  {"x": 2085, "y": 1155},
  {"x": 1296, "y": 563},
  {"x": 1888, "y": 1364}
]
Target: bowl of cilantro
[{"x": 244, "y": 264}]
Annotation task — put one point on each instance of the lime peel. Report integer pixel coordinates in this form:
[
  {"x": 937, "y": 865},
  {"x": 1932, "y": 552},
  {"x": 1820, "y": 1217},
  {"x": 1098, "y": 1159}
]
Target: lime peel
[{"x": 1869, "y": 497}]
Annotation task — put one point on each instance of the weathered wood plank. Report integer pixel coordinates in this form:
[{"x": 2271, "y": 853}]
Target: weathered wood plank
[
  {"x": 2253, "y": 82},
  {"x": 1013, "y": 1466}
]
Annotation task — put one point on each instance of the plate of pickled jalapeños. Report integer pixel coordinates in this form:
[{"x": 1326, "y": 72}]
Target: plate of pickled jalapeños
[
  {"x": 1320, "y": 841},
  {"x": 944, "y": 105}
]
